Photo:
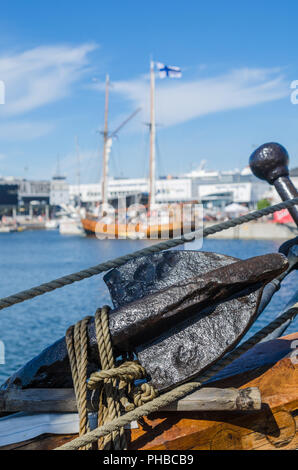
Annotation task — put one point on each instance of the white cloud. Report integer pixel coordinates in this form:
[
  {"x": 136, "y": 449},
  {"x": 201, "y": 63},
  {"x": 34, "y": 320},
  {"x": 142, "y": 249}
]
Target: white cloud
[
  {"x": 40, "y": 76},
  {"x": 2, "y": 156},
  {"x": 178, "y": 101},
  {"x": 24, "y": 130}
]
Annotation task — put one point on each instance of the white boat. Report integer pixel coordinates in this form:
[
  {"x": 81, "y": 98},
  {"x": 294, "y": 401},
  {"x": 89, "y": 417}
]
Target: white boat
[
  {"x": 52, "y": 224},
  {"x": 71, "y": 226},
  {"x": 5, "y": 229}
]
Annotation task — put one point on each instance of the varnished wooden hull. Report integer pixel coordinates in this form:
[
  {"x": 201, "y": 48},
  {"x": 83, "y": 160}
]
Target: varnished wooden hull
[
  {"x": 274, "y": 427},
  {"x": 270, "y": 366},
  {"x": 162, "y": 231}
]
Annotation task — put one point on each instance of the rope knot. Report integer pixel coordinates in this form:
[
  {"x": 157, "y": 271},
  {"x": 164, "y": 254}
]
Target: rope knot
[
  {"x": 144, "y": 394},
  {"x": 127, "y": 372}
]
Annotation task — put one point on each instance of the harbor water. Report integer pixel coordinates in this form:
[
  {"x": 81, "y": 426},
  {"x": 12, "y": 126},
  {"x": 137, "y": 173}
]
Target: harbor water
[{"x": 30, "y": 258}]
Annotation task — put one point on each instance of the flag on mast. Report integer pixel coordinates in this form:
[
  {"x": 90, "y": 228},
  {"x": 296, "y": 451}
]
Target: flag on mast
[{"x": 169, "y": 71}]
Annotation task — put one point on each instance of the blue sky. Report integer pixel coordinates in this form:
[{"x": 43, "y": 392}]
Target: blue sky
[{"x": 238, "y": 60}]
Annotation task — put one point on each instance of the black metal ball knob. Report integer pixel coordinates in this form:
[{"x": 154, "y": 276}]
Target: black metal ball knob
[{"x": 269, "y": 162}]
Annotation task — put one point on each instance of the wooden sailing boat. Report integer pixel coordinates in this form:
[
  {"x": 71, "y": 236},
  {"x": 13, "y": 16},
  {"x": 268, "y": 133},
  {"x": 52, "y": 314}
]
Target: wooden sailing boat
[{"x": 153, "y": 223}]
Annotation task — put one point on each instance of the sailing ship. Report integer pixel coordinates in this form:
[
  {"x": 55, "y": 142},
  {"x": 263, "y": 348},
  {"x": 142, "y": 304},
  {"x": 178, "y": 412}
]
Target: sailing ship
[{"x": 155, "y": 221}]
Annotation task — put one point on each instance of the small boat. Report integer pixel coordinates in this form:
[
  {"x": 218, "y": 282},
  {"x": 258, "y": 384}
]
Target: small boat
[
  {"x": 71, "y": 226},
  {"x": 6, "y": 229},
  {"x": 12, "y": 228},
  {"x": 52, "y": 224}
]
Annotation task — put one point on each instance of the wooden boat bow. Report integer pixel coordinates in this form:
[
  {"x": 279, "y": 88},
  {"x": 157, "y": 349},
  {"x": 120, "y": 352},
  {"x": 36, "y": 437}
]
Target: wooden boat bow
[{"x": 270, "y": 366}]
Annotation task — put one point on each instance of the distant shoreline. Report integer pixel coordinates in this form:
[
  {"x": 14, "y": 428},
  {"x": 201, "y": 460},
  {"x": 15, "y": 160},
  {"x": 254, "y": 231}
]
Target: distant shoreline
[
  {"x": 248, "y": 231},
  {"x": 257, "y": 231}
]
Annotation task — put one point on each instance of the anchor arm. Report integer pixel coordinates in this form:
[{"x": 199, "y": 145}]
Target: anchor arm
[{"x": 156, "y": 313}]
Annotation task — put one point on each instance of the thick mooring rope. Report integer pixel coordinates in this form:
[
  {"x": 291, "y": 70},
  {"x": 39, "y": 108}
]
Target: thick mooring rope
[
  {"x": 110, "y": 405},
  {"x": 115, "y": 263},
  {"x": 77, "y": 343},
  {"x": 180, "y": 391}
]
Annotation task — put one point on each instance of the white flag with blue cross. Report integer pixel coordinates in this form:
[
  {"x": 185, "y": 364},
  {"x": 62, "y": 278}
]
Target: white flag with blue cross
[{"x": 169, "y": 71}]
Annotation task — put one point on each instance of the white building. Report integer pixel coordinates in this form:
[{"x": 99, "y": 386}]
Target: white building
[
  {"x": 209, "y": 187},
  {"x": 173, "y": 190},
  {"x": 89, "y": 193},
  {"x": 215, "y": 188},
  {"x": 238, "y": 192},
  {"x": 59, "y": 191},
  {"x": 167, "y": 190}
]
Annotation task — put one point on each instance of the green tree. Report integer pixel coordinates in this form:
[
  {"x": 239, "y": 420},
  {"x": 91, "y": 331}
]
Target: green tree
[{"x": 262, "y": 203}]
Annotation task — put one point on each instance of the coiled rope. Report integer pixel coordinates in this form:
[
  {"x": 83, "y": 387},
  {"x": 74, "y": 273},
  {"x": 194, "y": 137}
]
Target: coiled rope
[
  {"x": 115, "y": 263},
  {"x": 179, "y": 392},
  {"x": 115, "y": 383}
]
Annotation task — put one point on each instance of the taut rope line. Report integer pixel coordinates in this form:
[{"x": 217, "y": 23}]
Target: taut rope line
[{"x": 115, "y": 263}]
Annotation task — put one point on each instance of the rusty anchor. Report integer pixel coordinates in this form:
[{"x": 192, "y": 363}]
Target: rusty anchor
[{"x": 179, "y": 311}]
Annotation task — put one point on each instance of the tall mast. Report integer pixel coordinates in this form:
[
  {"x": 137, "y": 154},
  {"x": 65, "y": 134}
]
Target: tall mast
[
  {"x": 105, "y": 142},
  {"x": 78, "y": 170},
  {"x": 152, "y": 137}
]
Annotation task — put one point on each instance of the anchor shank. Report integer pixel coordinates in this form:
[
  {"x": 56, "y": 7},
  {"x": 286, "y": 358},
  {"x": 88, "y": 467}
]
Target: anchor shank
[
  {"x": 270, "y": 162},
  {"x": 287, "y": 190}
]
